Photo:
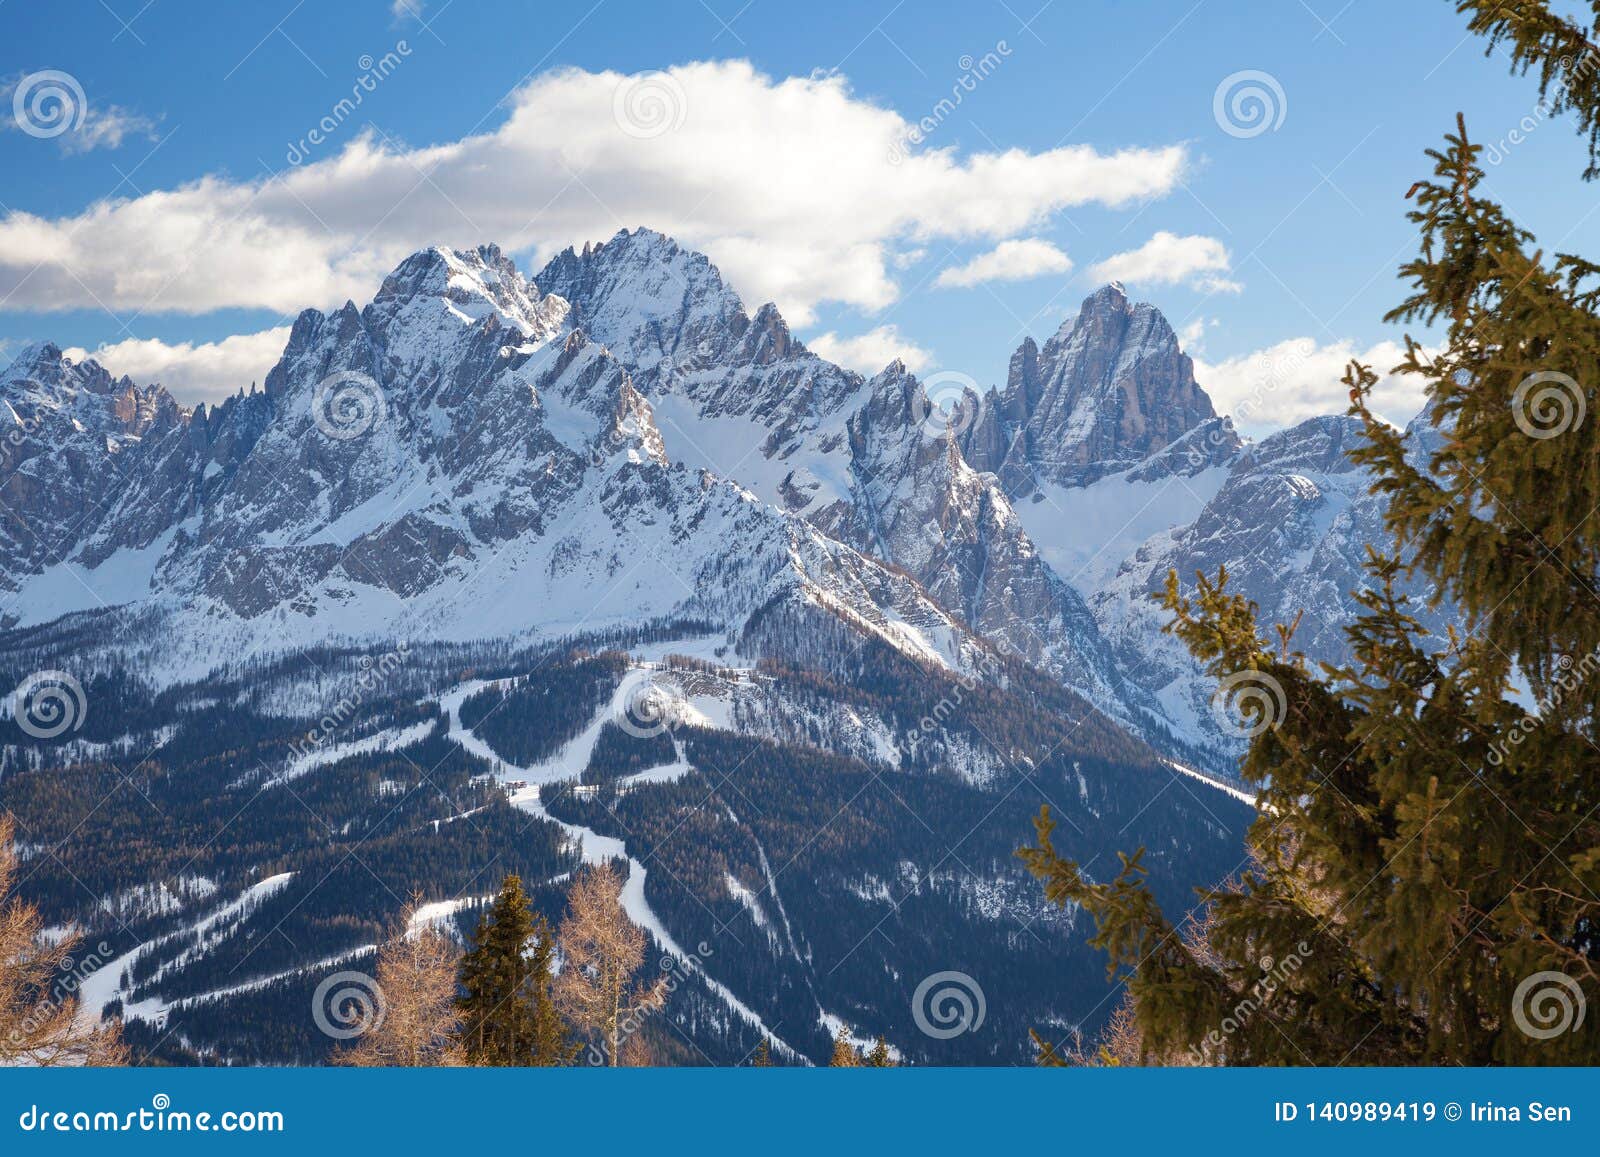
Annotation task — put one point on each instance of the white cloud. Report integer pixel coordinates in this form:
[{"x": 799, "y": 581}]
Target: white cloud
[
  {"x": 1008, "y": 261},
  {"x": 1192, "y": 337},
  {"x": 107, "y": 128},
  {"x": 869, "y": 352},
  {"x": 1299, "y": 379},
  {"x": 1167, "y": 259},
  {"x": 790, "y": 185},
  {"x": 79, "y": 123},
  {"x": 402, "y": 10},
  {"x": 207, "y": 372}
]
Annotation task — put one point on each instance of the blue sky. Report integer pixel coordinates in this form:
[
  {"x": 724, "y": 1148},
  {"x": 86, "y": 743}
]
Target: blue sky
[{"x": 186, "y": 214}]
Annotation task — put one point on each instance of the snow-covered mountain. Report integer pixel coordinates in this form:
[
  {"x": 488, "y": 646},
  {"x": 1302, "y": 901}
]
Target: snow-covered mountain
[
  {"x": 1291, "y": 521},
  {"x": 859, "y": 459},
  {"x": 476, "y": 454},
  {"x": 455, "y": 461},
  {"x": 1107, "y": 393},
  {"x": 553, "y": 504}
]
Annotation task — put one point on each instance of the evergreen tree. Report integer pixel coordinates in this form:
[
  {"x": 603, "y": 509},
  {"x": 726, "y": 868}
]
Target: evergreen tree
[
  {"x": 551, "y": 1041},
  {"x": 1565, "y": 56},
  {"x": 1427, "y": 857},
  {"x": 39, "y": 1024},
  {"x": 497, "y": 1004},
  {"x": 880, "y": 1057}
]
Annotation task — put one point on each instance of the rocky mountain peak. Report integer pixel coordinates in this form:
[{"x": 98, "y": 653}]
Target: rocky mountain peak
[
  {"x": 452, "y": 300},
  {"x": 768, "y": 339},
  {"x": 43, "y": 365},
  {"x": 1109, "y": 298},
  {"x": 32, "y": 361},
  {"x": 649, "y": 300},
  {"x": 42, "y": 378},
  {"x": 1108, "y": 390},
  {"x": 1318, "y": 444},
  {"x": 471, "y": 284}
]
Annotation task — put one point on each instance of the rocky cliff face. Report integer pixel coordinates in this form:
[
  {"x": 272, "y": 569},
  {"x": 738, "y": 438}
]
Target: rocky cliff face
[
  {"x": 861, "y": 460},
  {"x": 456, "y": 461},
  {"x": 1107, "y": 391},
  {"x": 79, "y": 447},
  {"x": 1291, "y": 523}
]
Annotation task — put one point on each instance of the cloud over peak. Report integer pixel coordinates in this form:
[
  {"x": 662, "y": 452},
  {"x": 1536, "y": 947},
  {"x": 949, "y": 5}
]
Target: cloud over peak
[
  {"x": 1015, "y": 260},
  {"x": 194, "y": 372},
  {"x": 1168, "y": 259},
  {"x": 814, "y": 213},
  {"x": 869, "y": 352},
  {"x": 1301, "y": 378}
]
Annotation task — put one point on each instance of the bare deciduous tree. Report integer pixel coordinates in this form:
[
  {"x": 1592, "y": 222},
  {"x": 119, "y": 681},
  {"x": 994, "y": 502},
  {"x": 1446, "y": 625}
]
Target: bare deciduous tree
[
  {"x": 39, "y": 1024},
  {"x": 601, "y": 950},
  {"x": 416, "y": 977}
]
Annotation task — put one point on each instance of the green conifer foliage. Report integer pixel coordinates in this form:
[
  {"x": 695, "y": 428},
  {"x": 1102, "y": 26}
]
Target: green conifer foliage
[
  {"x": 508, "y": 1016},
  {"x": 1564, "y": 55},
  {"x": 1424, "y": 883},
  {"x": 552, "y": 1041}
]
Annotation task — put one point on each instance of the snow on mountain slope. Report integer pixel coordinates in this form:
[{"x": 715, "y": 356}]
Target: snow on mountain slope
[
  {"x": 453, "y": 462},
  {"x": 733, "y": 394},
  {"x": 1085, "y": 532},
  {"x": 479, "y": 455},
  {"x": 1291, "y": 523},
  {"x": 868, "y": 462},
  {"x": 76, "y": 443},
  {"x": 566, "y": 766}
]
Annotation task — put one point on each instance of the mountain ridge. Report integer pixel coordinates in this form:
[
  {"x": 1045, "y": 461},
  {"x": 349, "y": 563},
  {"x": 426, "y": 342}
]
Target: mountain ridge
[{"x": 472, "y": 425}]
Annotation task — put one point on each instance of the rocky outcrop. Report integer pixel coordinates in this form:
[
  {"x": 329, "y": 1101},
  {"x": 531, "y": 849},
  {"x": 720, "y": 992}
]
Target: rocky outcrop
[{"x": 1109, "y": 390}]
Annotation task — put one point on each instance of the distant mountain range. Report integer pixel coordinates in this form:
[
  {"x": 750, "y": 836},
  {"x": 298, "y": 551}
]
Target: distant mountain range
[
  {"x": 502, "y": 573},
  {"x": 478, "y": 455}
]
